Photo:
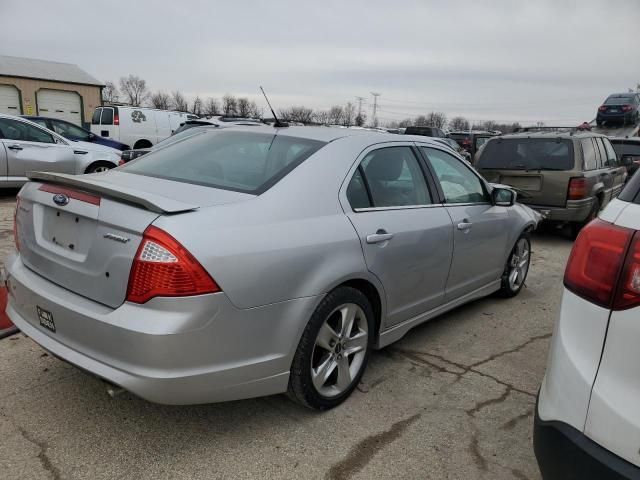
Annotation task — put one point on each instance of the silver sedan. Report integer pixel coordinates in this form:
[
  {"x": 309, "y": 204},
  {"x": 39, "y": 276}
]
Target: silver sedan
[{"x": 253, "y": 261}]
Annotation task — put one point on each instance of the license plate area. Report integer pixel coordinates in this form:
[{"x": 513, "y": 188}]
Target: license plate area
[
  {"x": 46, "y": 319},
  {"x": 67, "y": 231},
  {"x": 531, "y": 184}
]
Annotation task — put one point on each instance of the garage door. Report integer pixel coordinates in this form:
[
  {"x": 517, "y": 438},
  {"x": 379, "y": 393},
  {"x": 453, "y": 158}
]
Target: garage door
[
  {"x": 60, "y": 104},
  {"x": 9, "y": 100}
]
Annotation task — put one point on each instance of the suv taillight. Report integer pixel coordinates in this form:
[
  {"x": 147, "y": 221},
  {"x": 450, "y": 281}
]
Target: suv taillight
[
  {"x": 15, "y": 224},
  {"x": 116, "y": 117},
  {"x": 627, "y": 108},
  {"x": 577, "y": 188},
  {"x": 164, "y": 268},
  {"x": 595, "y": 268}
]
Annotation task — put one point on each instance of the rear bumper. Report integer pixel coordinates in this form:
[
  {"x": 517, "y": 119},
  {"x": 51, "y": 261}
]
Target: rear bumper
[
  {"x": 622, "y": 116},
  {"x": 174, "y": 351},
  {"x": 564, "y": 453},
  {"x": 575, "y": 211}
]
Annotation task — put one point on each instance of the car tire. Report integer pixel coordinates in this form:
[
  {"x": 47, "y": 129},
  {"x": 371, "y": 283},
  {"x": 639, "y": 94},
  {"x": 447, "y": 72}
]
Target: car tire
[
  {"x": 322, "y": 375},
  {"x": 98, "y": 167},
  {"x": 577, "y": 226},
  {"x": 517, "y": 267}
]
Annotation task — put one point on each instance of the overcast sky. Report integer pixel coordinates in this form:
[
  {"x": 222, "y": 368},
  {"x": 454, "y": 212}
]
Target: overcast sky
[{"x": 527, "y": 61}]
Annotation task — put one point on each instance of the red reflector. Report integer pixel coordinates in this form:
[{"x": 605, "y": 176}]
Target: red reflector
[
  {"x": 75, "y": 194},
  {"x": 577, "y": 188},
  {"x": 5, "y": 323},
  {"x": 116, "y": 119},
  {"x": 628, "y": 294},
  {"x": 164, "y": 268},
  {"x": 595, "y": 261}
]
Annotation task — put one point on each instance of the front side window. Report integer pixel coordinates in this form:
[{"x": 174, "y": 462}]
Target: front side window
[
  {"x": 95, "y": 120},
  {"x": 20, "y": 131},
  {"x": 246, "y": 162},
  {"x": 459, "y": 184},
  {"x": 589, "y": 152},
  {"x": 69, "y": 130},
  {"x": 107, "y": 116},
  {"x": 389, "y": 177}
]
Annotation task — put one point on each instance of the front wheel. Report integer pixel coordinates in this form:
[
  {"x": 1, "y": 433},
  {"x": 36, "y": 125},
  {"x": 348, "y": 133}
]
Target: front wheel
[
  {"x": 98, "y": 167},
  {"x": 333, "y": 351},
  {"x": 517, "y": 267}
]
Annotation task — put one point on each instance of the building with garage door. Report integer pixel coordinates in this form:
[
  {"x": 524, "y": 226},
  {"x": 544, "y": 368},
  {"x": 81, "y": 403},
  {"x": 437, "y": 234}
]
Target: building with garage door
[{"x": 49, "y": 89}]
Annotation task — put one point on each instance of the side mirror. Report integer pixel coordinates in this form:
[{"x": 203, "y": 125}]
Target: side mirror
[
  {"x": 503, "y": 197},
  {"x": 92, "y": 136}
]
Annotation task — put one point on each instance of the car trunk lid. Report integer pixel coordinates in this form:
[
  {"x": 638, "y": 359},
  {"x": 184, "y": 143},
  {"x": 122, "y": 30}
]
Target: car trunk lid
[{"x": 83, "y": 232}]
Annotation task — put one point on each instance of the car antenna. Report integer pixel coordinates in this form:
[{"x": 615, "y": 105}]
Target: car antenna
[{"x": 277, "y": 122}]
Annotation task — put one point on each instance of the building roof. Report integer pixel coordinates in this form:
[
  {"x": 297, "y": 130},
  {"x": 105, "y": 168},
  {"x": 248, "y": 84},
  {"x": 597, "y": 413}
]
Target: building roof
[{"x": 45, "y": 70}]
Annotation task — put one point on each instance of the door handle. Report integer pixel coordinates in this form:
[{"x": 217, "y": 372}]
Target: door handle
[
  {"x": 465, "y": 225},
  {"x": 379, "y": 237},
  {"x": 14, "y": 147}
]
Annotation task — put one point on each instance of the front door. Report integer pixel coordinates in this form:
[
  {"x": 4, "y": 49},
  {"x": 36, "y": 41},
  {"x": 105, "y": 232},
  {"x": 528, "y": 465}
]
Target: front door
[
  {"x": 406, "y": 237},
  {"x": 480, "y": 229}
]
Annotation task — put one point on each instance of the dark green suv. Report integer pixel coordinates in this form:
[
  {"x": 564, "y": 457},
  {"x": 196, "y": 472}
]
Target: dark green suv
[{"x": 566, "y": 176}]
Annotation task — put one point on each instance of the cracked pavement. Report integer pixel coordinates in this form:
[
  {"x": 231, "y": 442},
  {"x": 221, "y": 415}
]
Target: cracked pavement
[{"x": 453, "y": 399}]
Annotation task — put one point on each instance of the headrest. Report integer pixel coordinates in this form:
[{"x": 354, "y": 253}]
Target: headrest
[{"x": 385, "y": 165}]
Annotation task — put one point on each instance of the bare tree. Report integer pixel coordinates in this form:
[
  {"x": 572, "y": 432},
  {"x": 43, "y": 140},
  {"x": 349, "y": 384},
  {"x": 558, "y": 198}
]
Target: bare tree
[
  {"x": 421, "y": 120},
  {"x": 459, "y": 123},
  {"x": 437, "y": 119},
  {"x": 349, "y": 114},
  {"x": 321, "y": 117},
  {"x": 178, "y": 101},
  {"x": 110, "y": 92},
  {"x": 361, "y": 119},
  {"x": 229, "y": 105},
  {"x": 212, "y": 107},
  {"x": 335, "y": 115},
  {"x": 196, "y": 106},
  {"x": 160, "y": 100},
  {"x": 297, "y": 114},
  {"x": 243, "y": 107},
  {"x": 407, "y": 122},
  {"x": 134, "y": 90},
  {"x": 255, "y": 111}
]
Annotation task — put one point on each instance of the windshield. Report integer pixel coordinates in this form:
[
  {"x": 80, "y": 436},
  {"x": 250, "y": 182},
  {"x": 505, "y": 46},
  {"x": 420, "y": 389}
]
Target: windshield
[
  {"x": 619, "y": 100},
  {"x": 527, "y": 154},
  {"x": 241, "y": 161}
]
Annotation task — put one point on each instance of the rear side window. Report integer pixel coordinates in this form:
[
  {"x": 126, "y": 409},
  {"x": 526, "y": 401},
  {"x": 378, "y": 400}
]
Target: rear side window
[
  {"x": 611, "y": 159},
  {"x": 601, "y": 155},
  {"x": 527, "y": 154},
  {"x": 107, "y": 116},
  {"x": 589, "y": 153},
  {"x": 95, "y": 120},
  {"x": 627, "y": 148},
  {"x": 246, "y": 162}
]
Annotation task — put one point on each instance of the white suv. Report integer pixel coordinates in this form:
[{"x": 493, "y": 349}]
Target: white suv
[{"x": 587, "y": 423}]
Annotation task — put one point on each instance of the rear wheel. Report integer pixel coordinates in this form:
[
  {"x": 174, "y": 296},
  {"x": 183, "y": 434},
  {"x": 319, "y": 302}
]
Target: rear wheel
[
  {"x": 333, "y": 351},
  {"x": 577, "y": 226},
  {"x": 142, "y": 144},
  {"x": 517, "y": 267}
]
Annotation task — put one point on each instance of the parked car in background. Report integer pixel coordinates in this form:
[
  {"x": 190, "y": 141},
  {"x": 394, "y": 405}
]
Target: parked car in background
[
  {"x": 620, "y": 108},
  {"x": 424, "y": 131},
  {"x": 471, "y": 140},
  {"x": 384, "y": 234},
  {"x": 26, "y": 146},
  {"x": 71, "y": 131},
  {"x": 450, "y": 142},
  {"x": 587, "y": 422},
  {"x": 628, "y": 150},
  {"x": 136, "y": 126},
  {"x": 129, "y": 155},
  {"x": 567, "y": 176}
]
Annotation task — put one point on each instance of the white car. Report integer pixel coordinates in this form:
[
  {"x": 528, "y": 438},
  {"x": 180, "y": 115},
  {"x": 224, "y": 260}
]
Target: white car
[
  {"x": 138, "y": 127},
  {"x": 26, "y": 146},
  {"x": 587, "y": 422}
]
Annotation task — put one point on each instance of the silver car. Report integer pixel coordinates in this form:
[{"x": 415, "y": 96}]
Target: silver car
[
  {"x": 26, "y": 146},
  {"x": 246, "y": 261}
]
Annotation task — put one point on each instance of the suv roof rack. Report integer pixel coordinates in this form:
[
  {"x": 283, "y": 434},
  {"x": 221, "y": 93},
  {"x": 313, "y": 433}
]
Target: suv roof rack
[{"x": 545, "y": 129}]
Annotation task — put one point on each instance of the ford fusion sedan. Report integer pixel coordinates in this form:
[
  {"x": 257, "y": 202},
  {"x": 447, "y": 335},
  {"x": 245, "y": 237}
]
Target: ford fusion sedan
[
  {"x": 26, "y": 146},
  {"x": 251, "y": 261}
]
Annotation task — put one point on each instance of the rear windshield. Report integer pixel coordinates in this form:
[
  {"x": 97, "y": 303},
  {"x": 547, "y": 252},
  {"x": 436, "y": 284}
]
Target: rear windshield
[
  {"x": 626, "y": 148},
  {"x": 246, "y": 162},
  {"x": 619, "y": 100},
  {"x": 428, "y": 131},
  {"x": 527, "y": 154},
  {"x": 460, "y": 136}
]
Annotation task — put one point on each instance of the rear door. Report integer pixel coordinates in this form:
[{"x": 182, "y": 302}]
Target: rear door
[
  {"x": 163, "y": 126},
  {"x": 606, "y": 174},
  {"x": 618, "y": 171},
  {"x": 29, "y": 147},
  {"x": 406, "y": 235},
  {"x": 480, "y": 229}
]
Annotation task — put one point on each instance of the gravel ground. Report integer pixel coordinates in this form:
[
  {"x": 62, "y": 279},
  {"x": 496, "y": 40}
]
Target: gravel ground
[{"x": 453, "y": 399}]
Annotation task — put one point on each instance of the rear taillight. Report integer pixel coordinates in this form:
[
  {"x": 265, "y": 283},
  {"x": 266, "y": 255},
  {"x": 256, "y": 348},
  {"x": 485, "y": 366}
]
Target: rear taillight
[
  {"x": 595, "y": 263},
  {"x": 116, "y": 118},
  {"x": 15, "y": 224},
  {"x": 602, "y": 108},
  {"x": 628, "y": 292},
  {"x": 164, "y": 268},
  {"x": 577, "y": 188},
  {"x": 627, "y": 108}
]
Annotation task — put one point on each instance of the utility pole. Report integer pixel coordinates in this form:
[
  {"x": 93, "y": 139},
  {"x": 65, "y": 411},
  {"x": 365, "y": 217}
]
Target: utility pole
[
  {"x": 375, "y": 108},
  {"x": 360, "y": 100}
]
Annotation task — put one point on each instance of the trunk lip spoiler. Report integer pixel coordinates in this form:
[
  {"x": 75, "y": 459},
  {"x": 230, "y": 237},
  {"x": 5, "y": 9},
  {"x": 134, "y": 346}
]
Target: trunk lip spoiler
[{"x": 150, "y": 201}]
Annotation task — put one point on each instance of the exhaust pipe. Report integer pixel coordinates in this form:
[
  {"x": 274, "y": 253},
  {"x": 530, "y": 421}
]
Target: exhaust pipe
[{"x": 114, "y": 390}]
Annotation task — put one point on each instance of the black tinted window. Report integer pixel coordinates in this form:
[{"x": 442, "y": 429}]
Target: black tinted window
[
  {"x": 15, "y": 130},
  {"x": 241, "y": 161},
  {"x": 107, "y": 116},
  {"x": 527, "y": 154},
  {"x": 619, "y": 100},
  {"x": 95, "y": 120},
  {"x": 357, "y": 191},
  {"x": 627, "y": 148},
  {"x": 589, "y": 153}
]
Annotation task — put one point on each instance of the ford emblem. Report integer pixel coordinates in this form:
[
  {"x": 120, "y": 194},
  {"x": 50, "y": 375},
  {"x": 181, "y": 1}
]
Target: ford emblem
[{"x": 60, "y": 199}]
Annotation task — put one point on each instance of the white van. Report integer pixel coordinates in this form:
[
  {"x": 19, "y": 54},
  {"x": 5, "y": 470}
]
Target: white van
[{"x": 137, "y": 127}]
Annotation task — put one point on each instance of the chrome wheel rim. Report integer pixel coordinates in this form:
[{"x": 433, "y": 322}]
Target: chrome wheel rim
[
  {"x": 101, "y": 168},
  {"x": 339, "y": 350},
  {"x": 519, "y": 264}
]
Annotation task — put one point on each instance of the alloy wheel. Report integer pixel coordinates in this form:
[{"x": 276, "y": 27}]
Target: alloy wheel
[
  {"x": 339, "y": 350},
  {"x": 519, "y": 264}
]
